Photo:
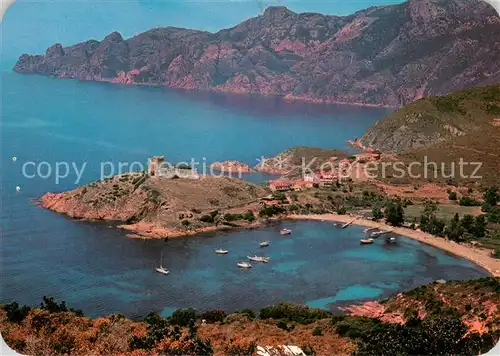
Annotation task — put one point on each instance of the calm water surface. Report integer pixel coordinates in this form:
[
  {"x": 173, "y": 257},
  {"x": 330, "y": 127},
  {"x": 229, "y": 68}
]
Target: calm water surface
[{"x": 96, "y": 268}]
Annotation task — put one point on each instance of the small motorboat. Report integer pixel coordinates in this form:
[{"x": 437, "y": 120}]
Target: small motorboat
[
  {"x": 244, "y": 265},
  {"x": 366, "y": 241},
  {"x": 258, "y": 259},
  {"x": 221, "y": 251},
  {"x": 264, "y": 244},
  {"x": 285, "y": 232}
]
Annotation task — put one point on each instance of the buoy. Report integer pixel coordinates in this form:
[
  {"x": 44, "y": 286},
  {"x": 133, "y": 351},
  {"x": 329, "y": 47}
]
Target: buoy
[
  {"x": 14, "y": 158},
  {"x": 18, "y": 188}
]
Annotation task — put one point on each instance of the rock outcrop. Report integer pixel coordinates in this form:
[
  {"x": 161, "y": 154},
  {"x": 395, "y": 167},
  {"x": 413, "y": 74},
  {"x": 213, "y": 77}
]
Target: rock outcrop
[
  {"x": 231, "y": 167},
  {"x": 388, "y": 55}
]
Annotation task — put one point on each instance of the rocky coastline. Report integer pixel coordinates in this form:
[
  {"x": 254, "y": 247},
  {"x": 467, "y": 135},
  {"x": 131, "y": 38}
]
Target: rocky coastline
[{"x": 312, "y": 57}]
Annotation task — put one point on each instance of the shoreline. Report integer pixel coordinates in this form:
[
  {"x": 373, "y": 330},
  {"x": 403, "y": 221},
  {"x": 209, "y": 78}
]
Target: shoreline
[
  {"x": 479, "y": 256},
  {"x": 288, "y": 98}
]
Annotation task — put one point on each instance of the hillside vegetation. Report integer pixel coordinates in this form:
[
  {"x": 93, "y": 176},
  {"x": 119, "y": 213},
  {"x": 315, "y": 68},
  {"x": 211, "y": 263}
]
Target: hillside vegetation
[
  {"x": 439, "y": 119},
  {"x": 444, "y": 318}
]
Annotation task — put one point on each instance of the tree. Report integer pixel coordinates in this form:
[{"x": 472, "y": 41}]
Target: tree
[
  {"x": 491, "y": 196},
  {"x": 479, "y": 226},
  {"x": 377, "y": 213},
  {"x": 454, "y": 230},
  {"x": 394, "y": 213},
  {"x": 452, "y": 195},
  {"x": 468, "y": 223}
]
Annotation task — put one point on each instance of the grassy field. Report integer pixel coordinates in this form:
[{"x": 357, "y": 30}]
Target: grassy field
[{"x": 445, "y": 211}]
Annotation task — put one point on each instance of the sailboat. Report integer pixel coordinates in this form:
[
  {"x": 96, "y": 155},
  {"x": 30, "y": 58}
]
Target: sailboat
[{"x": 161, "y": 269}]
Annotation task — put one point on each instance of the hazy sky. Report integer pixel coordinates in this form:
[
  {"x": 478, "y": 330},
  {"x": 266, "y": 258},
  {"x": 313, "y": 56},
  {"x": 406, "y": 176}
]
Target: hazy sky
[{"x": 30, "y": 27}]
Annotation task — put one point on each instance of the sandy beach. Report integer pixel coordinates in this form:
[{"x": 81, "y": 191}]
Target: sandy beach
[{"x": 479, "y": 256}]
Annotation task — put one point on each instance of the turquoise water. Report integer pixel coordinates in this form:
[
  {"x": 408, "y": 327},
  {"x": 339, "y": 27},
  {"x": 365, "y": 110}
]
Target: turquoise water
[{"x": 96, "y": 268}]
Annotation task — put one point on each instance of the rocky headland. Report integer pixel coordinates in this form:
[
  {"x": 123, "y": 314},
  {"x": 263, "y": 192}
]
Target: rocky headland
[
  {"x": 158, "y": 207},
  {"x": 380, "y": 56}
]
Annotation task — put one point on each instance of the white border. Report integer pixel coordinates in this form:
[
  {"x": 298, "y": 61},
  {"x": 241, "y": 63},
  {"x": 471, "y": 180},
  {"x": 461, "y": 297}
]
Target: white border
[{"x": 7, "y": 351}]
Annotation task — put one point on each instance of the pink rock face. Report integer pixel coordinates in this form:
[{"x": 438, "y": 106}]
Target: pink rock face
[
  {"x": 231, "y": 167},
  {"x": 381, "y": 56},
  {"x": 126, "y": 77},
  {"x": 288, "y": 45}
]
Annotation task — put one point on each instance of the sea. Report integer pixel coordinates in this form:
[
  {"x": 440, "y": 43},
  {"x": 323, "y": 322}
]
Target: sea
[{"x": 58, "y": 134}]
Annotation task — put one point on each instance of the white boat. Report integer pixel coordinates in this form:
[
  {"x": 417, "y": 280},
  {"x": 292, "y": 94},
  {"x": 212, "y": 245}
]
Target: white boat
[
  {"x": 161, "y": 269},
  {"x": 264, "y": 244},
  {"x": 285, "y": 232},
  {"x": 221, "y": 251},
  {"x": 244, "y": 265},
  {"x": 378, "y": 233},
  {"x": 366, "y": 241},
  {"x": 258, "y": 259}
]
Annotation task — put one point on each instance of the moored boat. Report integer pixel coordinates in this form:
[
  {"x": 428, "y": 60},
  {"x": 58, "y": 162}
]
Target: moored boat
[
  {"x": 366, "y": 241},
  {"x": 285, "y": 232},
  {"x": 258, "y": 259},
  {"x": 244, "y": 265},
  {"x": 378, "y": 233},
  {"x": 264, "y": 244},
  {"x": 221, "y": 251},
  {"x": 161, "y": 269}
]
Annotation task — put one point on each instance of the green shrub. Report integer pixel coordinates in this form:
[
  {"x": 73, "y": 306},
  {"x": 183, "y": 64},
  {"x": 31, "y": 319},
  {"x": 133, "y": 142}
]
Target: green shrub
[
  {"x": 207, "y": 219},
  {"x": 293, "y": 312},
  {"x": 182, "y": 317},
  {"x": 467, "y": 201},
  {"x": 452, "y": 195},
  {"x": 272, "y": 210},
  {"x": 16, "y": 314},
  {"x": 249, "y": 313},
  {"x": 317, "y": 331},
  {"x": 356, "y": 327},
  {"x": 213, "y": 316}
]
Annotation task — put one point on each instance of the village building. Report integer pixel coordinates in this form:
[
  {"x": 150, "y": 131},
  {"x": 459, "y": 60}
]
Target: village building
[
  {"x": 280, "y": 186},
  {"x": 310, "y": 178},
  {"x": 302, "y": 185},
  {"x": 326, "y": 179}
]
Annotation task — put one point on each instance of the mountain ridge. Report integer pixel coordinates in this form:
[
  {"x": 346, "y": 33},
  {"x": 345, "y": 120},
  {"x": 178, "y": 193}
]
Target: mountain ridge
[{"x": 383, "y": 56}]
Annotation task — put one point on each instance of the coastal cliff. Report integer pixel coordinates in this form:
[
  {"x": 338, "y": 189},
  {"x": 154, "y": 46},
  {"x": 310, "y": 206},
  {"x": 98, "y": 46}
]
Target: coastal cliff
[{"x": 383, "y": 56}]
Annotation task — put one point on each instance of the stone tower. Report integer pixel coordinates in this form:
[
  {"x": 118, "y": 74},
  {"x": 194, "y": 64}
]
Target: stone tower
[{"x": 155, "y": 163}]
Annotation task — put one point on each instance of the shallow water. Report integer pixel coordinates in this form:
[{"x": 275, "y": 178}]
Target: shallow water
[{"x": 96, "y": 268}]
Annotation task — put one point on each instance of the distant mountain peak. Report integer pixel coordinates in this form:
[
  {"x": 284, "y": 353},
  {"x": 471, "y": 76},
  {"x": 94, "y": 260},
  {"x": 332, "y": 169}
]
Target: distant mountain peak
[
  {"x": 387, "y": 55},
  {"x": 278, "y": 12}
]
